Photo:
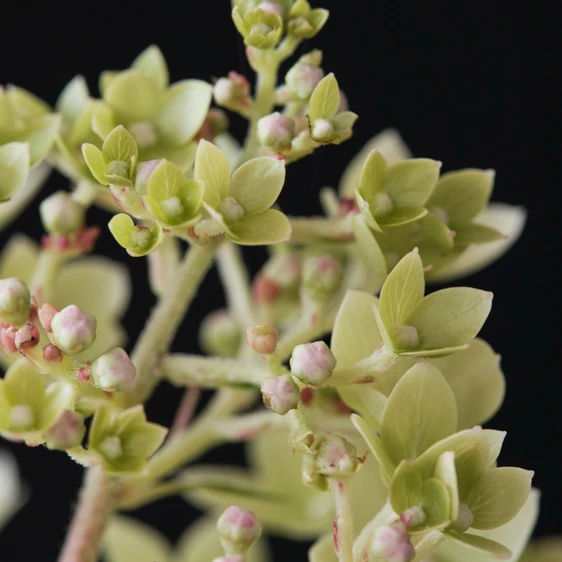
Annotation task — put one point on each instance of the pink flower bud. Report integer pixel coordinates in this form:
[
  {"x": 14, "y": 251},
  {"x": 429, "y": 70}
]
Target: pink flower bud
[
  {"x": 276, "y": 131},
  {"x": 392, "y": 544},
  {"x": 232, "y": 92},
  {"x": 27, "y": 336},
  {"x": 312, "y": 363},
  {"x": 14, "y": 301},
  {"x": 336, "y": 457},
  {"x": 321, "y": 276},
  {"x": 238, "y": 529},
  {"x": 46, "y": 314},
  {"x": 303, "y": 78},
  {"x": 73, "y": 330},
  {"x": 114, "y": 371},
  {"x": 52, "y": 354},
  {"x": 280, "y": 394},
  {"x": 264, "y": 289},
  {"x": 7, "y": 338},
  {"x": 262, "y": 339},
  {"x": 61, "y": 214},
  {"x": 67, "y": 432},
  {"x": 270, "y": 8}
]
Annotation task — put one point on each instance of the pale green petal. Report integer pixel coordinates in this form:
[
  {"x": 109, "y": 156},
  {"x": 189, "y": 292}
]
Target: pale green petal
[
  {"x": 59, "y": 396},
  {"x": 24, "y": 385},
  {"x": 367, "y": 401},
  {"x": 406, "y": 488},
  {"x": 373, "y": 175},
  {"x": 509, "y": 220},
  {"x": 402, "y": 215},
  {"x": 73, "y": 100},
  {"x": 481, "y": 545},
  {"x": 436, "y": 503},
  {"x": 96, "y": 162},
  {"x": 445, "y": 470},
  {"x": 128, "y": 540},
  {"x": 41, "y": 137},
  {"x": 371, "y": 255},
  {"x": 18, "y": 258},
  {"x": 389, "y": 143},
  {"x": 256, "y": 185},
  {"x": 26, "y": 104},
  {"x": 120, "y": 146},
  {"x": 104, "y": 119},
  {"x": 323, "y": 550},
  {"x": 11, "y": 495},
  {"x": 212, "y": 167},
  {"x": 268, "y": 227},
  {"x": 410, "y": 183},
  {"x": 151, "y": 62},
  {"x": 325, "y": 100},
  {"x": 14, "y": 168}
]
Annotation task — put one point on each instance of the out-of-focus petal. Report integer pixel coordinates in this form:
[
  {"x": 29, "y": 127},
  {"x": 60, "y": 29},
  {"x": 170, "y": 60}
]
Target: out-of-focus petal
[{"x": 18, "y": 258}]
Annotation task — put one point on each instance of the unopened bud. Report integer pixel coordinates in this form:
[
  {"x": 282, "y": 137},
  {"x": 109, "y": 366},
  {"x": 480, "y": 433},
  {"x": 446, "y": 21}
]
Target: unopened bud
[
  {"x": 144, "y": 171},
  {"x": 8, "y": 338},
  {"x": 413, "y": 517},
  {"x": 276, "y": 131},
  {"x": 303, "y": 78},
  {"x": 285, "y": 270},
  {"x": 270, "y": 8},
  {"x": 73, "y": 330},
  {"x": 67, "y": 432},
  {"x": 280, "y": 394},
  {"x": 52, "y": 354},
  {"x": 219, "y": 334},
  {"x": 232, "y": 92},
  {"x": 238, "y": 529},
  {"x": 233, "y": 558},
  {"x": 323, "y": 130},
  {"x": 14, "y": 301},
  {"x": 46, "y": 314},
  {"x": 230, "y": 210},
  {"x": 264, "y": 289},
  {"x": 336, "y": 457},
  {"x": 322, "y": 276},
  {"x": 114, "y": 371},
  {"x": 312, "y": 363},
  {"x": 406, "y": 337},
  {"x": 218, "y": 121},
  {"x": 27, "y": 336},
  {"x": 262, "y": 339},
  {"x": 465, "y": 519},
  {"x": 392, "y": 544},
  {"x": 61, "y": 214}
]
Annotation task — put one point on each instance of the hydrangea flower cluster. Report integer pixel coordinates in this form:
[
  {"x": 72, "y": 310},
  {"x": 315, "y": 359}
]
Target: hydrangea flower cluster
[{"x": 360, "y": 396}]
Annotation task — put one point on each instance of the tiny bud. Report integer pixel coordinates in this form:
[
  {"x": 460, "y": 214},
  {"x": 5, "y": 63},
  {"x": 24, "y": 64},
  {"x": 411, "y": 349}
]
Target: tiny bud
[
  {"x": 238, "y": 529},
  {"x": 144, "y": 171},
  {"x": 61, "y": 214},
  {"x": 46, "y": 314},
  {"x": 280, "y": 394},
  {"x": 465, "y": 519},
  {"x": 233, "y": 558},
  {"x": 14, "y": 301},
  {"x": 406, "y": 337},
  {"x": 52, "y": 354},
  {"x": 73, "y": 330},
  {"x": 336, "y": 457},
  {"x": 113, "y": 371},
  {"x": 84, "y": 374},
  {"x": 265, "y": 290},
  {"x": 111, "y": 448},
  {"x": 232, "y": 92},
  {"x": 8, "y": 338},
  {"x": 285, "y": 270},
  {"x": 230, "y": 210},
  {"x": 67, "y": 432},
  {"x": 392, "y": 544},
  {"x": 413, "y": 517},
  {"x": 322, "y": 276},
  {"x": 219, "y": 334},
  {"x": 303, "y": 78},
  {"x": 312, "y": 363},
  {"x": 262, "y": 339},
  {"x": 276, "y": 131},
  {"x": 27, "y": 336},
  {"x": 323, "y": 130},
  {"x": 270, "y": 8},
  {"x": 218, "y": 121}
]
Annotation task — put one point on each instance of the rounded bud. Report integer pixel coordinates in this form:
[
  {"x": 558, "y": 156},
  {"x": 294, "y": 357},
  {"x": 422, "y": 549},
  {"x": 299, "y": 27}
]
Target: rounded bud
[
  {"x": 67, "y": 432},
  {"x": 233, "y": 558},
  {"x": 465, "y": 519},
  {"x": 46, "y": 314},
  {"x": 232, "y": 92},
  {"x": 219, "y": 334},
  {"x": 344, "y": 103},
  {"x": 276, "y": 131},
  {"x": 270, "y": 8},
  {"x": 113, "y": 371},
  {"x": 392, "y": 544},
  {"x": 264, "y": 289},
  {"x": 218, "y": 121},
  {"x": 8, "y": 338},
  {"x": 262, "y": 339},
  {"x": 52, "y": 354},
  {"x": 238, "y": 529},
  {"x": 280, "y": 394},
  {"x": 15, "y": 301},
  {"x": 312, "y": 363},
  {"x": 73, "y": 330},
  {"x": 323, "y": 130},
  {"x": 27, "y": 336},
  {"x": 281, "y": 274},
  {"x": 321, "y": 276},
  {"x": 230, "y": 210},
  {"x": 413, "y": 517},
  {"x": 61, "y": 214},
  {"x": 303, "y": 78},
  {"x": 336, "y": 457}
]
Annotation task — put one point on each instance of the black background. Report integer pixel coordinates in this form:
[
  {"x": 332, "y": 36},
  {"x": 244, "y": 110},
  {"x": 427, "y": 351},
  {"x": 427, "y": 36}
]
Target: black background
[{"x": 468, "y": 83}]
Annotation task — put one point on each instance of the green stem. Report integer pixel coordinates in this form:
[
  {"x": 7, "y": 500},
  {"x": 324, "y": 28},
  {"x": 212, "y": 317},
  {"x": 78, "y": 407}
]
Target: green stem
[
  {"x": 166, "y": 318},
  {"x": 317, "y": 229},
  {"x": 344, "y": 520}
]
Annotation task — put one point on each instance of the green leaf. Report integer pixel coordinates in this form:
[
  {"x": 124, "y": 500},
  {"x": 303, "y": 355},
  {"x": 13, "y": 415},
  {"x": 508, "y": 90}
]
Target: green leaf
[
  {"x": 449, "y": 318},
  {"x": 325, "y": 100},
  {"x": 256, "y": 185},
  {"x": 120, "y": 146},
  {"x": 481, "y": 545},
  {"x": 406, "y": 488},
  {"x": 14, "y": 168},
  {"x": 96, "y": 162},
  {"x": 476, "y": 234},
  {"x": 151, "y": 63},
  {"x": 269, "y": 227},
  {"x": 401, "y": 215},
  {"x": 184, "y": 108},
  {"x": 212, "y": 167},
  {"x": 137, "y": 240},
  {"x": 445, "y": 470},
  {"x": 410, "y": 183},
  {"x": 402, "y": 291},
  {"x": 371, "y": 255},
  {"x": 498, "y": 495},
  {"x": 373, "y": 175},
  {"x": 421, "y": 411},
  {"x": 463, "y": 194},
  {"x": 436, "y": 504}
]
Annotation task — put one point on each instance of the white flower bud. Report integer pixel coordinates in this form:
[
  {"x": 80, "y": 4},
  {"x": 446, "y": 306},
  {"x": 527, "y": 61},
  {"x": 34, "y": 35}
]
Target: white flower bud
[
  {"x": 276, "y": 131},
  {"x": 336, "y": 457},
  {"x": 312, "y": 363},
  {"x": 113, "y": 371},
  {"x": 280, "y": 394},
  {"x": 262, "y": 339},
  {"x": 391, "y": 544},
  {"x": 61, "y": 214},
  {"x": 303, "y": 78},
  {"x": 67, "y": 432},
  {"x": 73, "y": 330},
  {"x": 219, "y": 334},
  {"x": 323, "y": 130},
  {"x": 14, "y": 301},
  {"x": 238, "y": 529},
  {"x": 230, "y": 210},
  {"x": 270, "y": 8},
  {"x": 232, "y": 92}
]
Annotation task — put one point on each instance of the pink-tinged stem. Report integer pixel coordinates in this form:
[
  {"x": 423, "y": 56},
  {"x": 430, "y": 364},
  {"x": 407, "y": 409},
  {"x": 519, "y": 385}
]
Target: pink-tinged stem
[
  {"x": 90, "y": 518},
  {"x": 185, "y": 411},
  {"x": 343, "y": 525}
]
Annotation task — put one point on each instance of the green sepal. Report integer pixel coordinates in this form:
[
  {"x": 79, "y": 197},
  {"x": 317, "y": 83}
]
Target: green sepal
[
  {"x": 370, "y": 254},
  {"x": 325, "y": 100},
  {"x": 481, "y": 545},
  {"x": 40, "y": 134},
  {"x": 269, "y": 227},
  {"x": 103, "y": 119},
  {"x": 343, "y": 124},
  {"x": 437, "y": 231},
  {"x": 406, "y": 488},
  {"x": 446, "y": 471},
  {"x": 136, "y": 239},
  {"x": 152, "y": 63},
  {"x": 436, "y": 504},
  {"x": 473, "y": 233},
  {"x": 212, "y": 167},
  {"x": 14, "y": 168},
  {"x": 401, "y": 215}
]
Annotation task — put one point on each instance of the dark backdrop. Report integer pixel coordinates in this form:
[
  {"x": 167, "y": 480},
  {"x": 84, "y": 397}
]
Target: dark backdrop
[{"x": 468, "y": 83}]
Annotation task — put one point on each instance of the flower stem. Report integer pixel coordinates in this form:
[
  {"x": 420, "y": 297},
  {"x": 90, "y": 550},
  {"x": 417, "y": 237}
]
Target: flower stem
[
  {"x": 343, "y": 527},
  {"x": 166, "y": 318},
  {"x": 89, "y": 521}
]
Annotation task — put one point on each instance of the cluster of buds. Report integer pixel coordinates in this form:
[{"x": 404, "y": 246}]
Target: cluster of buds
[
  {"x": 233, "y": 92},
  {"x": 238, "y": 529}
]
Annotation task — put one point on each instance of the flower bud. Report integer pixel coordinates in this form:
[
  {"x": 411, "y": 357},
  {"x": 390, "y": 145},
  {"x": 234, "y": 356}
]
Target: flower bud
[
  {"x": 238, "y": 529},
  {"x": 280, "y": 394},
  {"x": 323, "y": 130},
  {"x": 52, "y": 354},
  {"x": 114, "y": 371},
  {"x": 264, "y": 289},
  {"x": 232, "y": 92},
  {"x": 336, "y": 457},
  {"x": 46, "y": 314},
  {"x": 14, "y": 301},
  {"x": 281, "y": 274},
  {"x": 8, "y": 338},
  {"x": 312, "y": 363},
  {"x": 321, "y": 276},
  {"x": 413, "y": 517},
  {"x": 310, "y": 476},
  {"x": 218, "y": 121},
  {"x": 67, "y": 432},
  {"x": 303, "y": 78},
  {"x": 230, "y": 210},
  {"x": 73, "y": 330},
  {"x": 61, "y": 214},
  {"x": 219, "y": 334},
  {"x": 262, "y": 339},
  {"x": 465, "y": 519},
  {"x": 276, "y": 131},
  {"x": 392, "y": 544},
  {"x": 270, "y": 8},
  {"x": 27, "y": 336}
]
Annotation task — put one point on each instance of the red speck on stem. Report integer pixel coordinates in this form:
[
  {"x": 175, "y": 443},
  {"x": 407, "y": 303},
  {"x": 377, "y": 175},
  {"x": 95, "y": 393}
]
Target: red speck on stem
[
  {"x": 336, "y": 545},
  {"x": 314, "y": 319}
]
